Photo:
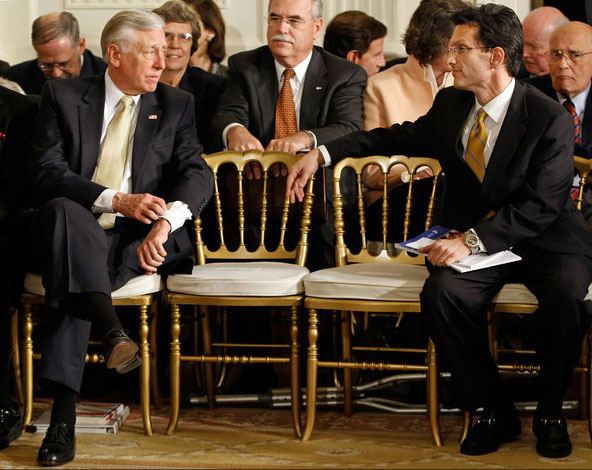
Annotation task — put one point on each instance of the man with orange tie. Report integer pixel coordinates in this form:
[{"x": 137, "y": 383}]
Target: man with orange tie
[
  {"x": 507, "y": 151},
  {"x": 291, "y": 96}
]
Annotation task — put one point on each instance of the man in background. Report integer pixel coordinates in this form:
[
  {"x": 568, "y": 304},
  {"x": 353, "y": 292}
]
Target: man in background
[
  {"x": 357, "y": 37},
  {"x": 61, "y": 53}
]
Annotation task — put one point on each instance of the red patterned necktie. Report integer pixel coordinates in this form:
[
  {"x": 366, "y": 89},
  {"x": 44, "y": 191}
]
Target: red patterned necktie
[
  {"x": 285, "y": 113},
  {"x": 576, "y": 120}
]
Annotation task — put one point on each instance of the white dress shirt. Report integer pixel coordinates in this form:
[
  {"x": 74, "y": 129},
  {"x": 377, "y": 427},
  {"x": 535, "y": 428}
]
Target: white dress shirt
[
  {"x": 297, "y": 84},
  {"x": 177, "y": 212}
]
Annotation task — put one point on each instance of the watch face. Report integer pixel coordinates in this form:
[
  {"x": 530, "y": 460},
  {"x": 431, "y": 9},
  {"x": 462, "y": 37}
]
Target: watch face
[{"x": 472, "y": 241}]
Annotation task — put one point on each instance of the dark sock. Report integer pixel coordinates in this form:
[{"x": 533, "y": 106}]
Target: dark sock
[
  {"x": 64, "y": 405},
  {"x": 100, "y": 311}
]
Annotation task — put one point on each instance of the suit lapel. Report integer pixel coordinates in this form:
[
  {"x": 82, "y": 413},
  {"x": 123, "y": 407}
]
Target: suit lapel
[
  {"x": 508, "y": 139},
  {"x": 315, "y": 85},
  {"x": 90, "y": 118},
  {"x": 266, "y": 85},
  {"x": 456, "y": 123},
  {"x": 148, "y": 120},
  {"x": 587, "y": 124}
]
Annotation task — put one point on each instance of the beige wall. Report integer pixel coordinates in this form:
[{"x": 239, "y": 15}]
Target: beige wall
[{"x": 244, "y": 20}]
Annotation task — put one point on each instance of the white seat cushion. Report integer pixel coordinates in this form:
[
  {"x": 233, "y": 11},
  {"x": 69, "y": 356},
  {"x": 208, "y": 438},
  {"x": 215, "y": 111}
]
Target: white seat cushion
[
  {"x": 140, "y": 285},
  {"x": 368, "y": 281},
  {"x": 518, "y": 293},
  {"x": 249, "y": 278}
]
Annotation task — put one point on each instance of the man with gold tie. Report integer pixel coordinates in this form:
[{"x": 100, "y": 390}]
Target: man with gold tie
[
  {"x": 116, "y": 172},
  {"x": 507, "y": 152}
]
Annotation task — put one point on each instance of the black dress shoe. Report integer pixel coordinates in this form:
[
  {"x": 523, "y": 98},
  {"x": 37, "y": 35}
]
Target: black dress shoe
[
  {"x": 58, "y": 446},
  {"x": 120, "y": 351},
  {"x": 552, "y": 437},
  {"x": 491, "y": 429},
  {"x": 11, "y": 425}
]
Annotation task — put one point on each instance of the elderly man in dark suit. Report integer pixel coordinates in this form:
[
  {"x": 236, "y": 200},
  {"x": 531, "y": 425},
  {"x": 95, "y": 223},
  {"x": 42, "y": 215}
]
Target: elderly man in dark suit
[
  {"x": 61, "y": 53},
  {"x": 116, "y": 171},
  {"x": 17, "y": 116},
  {"x": 507, "y": 151},
  {"x": 326, "y": 92}
]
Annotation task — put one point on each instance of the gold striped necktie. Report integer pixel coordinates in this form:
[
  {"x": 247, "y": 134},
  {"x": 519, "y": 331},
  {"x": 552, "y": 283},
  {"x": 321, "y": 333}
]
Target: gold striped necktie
[
  {"x": 114, "y": 154},
  {"x": 475, "y": 154}
]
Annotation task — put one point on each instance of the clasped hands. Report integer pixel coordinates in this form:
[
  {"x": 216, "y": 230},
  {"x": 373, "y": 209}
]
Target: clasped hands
[{"x": 147, "y": 209}]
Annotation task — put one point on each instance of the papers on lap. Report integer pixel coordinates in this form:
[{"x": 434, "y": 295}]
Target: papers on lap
[{"x": 470, "y": 263}]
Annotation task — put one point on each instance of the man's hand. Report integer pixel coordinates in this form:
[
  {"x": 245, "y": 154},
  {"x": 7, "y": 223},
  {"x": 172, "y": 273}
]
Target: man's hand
[
  {"x": 151, "y": 252},
  {"x": 291, "y": 144},
  {"x": 301, "y": 172},
  {"x": 143, "y": 207},
  {"x": 239, "y": 138},
  {"x": 445, "y": 252}
]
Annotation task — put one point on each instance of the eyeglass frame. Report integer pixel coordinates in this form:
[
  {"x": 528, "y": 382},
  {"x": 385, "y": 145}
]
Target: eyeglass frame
[
  {"x": 48, "y": 67},
  {"x": 552, "y": 57},
  {"x": 180, "y": 36},
  {"x": 461, "y": 49},
  {"x": 293, "y": 22}
]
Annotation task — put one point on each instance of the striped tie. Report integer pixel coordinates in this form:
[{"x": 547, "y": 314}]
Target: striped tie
[
  {"x": 568, "y": 104},
  {"x": 476, "y": 145}
]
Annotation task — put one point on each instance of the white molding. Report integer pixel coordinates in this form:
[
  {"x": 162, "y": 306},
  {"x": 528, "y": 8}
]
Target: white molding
[{"x": 121, "y": 4}]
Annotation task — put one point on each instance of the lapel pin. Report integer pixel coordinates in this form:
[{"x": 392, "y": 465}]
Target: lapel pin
[
  {"x": 319, "y": 88},
  {"x": 152, "y": 116}
]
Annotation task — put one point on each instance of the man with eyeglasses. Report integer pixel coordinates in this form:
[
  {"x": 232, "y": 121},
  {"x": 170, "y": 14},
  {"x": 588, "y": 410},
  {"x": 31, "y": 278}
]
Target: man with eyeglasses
[
  {"x": 507, "y": 152},
  {"x": 61, "y": 53},
  {"x": 116, "y": 171}
]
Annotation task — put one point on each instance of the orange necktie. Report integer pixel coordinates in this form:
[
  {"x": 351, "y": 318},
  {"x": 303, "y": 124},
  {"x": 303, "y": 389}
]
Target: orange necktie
[{"x": 285, "y": 113}]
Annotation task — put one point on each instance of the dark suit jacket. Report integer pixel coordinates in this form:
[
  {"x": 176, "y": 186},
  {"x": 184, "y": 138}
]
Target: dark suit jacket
[
  {"x": 30, "y": 77},
  {"x": 166, "y": 154},
  {"x": 206, "y": 89},
  {"x": 331, "y": 100},
  {"x": 4, "y": 66},
  {"x": 528, "y": 177},
  {"x": 584, "y": 148}
]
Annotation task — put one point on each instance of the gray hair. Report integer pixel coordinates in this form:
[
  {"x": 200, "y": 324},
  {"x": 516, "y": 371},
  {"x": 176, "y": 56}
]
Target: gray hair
[
  {"x": 121, "y": 28},
  {"x": 317, "y": 8},
  {"x": 53, "y": 26}
]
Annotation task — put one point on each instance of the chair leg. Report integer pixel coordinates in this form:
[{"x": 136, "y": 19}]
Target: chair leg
[
  {"x": 346, "y": 357},
  {"x": 311, "y": 373},
  {"x": 197, "y": 367},
  {"x": 207, "y": 346},
  {"x": 432, "y": 394},
  {"x": 28, "y": 364},
  {"x": 154, "y": 382},
  {"x": 295, "y": 371},
  {"x": 16, "y": 356},
  {"x": 175, "y": 366},
  {"x": 467, "y": 423},
  {"x": 145, "y": 370}
]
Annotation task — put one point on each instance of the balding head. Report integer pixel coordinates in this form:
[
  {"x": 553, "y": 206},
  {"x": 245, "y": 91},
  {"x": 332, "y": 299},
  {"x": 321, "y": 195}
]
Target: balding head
[
  {"x": 571, "y": 76},
  {"x": 537, "y": 27}
]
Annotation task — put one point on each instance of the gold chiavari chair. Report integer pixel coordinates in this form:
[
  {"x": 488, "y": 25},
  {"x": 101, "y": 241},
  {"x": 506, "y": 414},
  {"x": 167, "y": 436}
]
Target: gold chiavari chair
[
  {"x": 236, "y": 272},
  {"x": 140, "y": 292},
  {"x": 367, "y": 283}
]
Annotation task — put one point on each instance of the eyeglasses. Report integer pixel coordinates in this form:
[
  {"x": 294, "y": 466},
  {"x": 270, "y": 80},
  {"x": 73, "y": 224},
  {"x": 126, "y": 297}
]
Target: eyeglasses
[
  {"x": 461, "y": 49},
  {"x": 555, "y": 55},
  {"x": 294, "y": 22},
  {"x": 48, "y": 66},
  {"x": 181, "y": 36}
]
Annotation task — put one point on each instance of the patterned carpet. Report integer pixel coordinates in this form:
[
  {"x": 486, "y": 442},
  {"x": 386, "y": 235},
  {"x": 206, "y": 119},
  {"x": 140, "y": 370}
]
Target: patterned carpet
[{"x": 232, "y": 438}]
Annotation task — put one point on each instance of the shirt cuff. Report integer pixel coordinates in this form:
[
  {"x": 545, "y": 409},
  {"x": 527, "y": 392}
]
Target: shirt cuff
[
  {"x": 313, "y": 139},
  {"x": 225, "y": 132},
  {"x": 177, "y": 214},
  {"x": 104, "y": 203},
  {"x": 325, "y": 154}
]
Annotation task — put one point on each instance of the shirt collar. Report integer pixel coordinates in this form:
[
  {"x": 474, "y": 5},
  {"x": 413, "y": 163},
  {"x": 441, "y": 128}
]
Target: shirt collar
[
  {"x": 497, "y": 107},
  {"x": 299, "y": 70},
  {"x": 113, "y": 94},
  {"x": 579, "y": 100},
  {"x": 430, "y": 77}
]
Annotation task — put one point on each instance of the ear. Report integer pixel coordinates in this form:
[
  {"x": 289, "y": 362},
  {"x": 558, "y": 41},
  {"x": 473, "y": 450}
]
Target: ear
[
  {"x": 81, "y": 45},
  {"x": 498, "y": 57},
  {"x": 318, "y": 25},
  {"x": 352, "y": 56},
  {"x": 114, "y": 54}
]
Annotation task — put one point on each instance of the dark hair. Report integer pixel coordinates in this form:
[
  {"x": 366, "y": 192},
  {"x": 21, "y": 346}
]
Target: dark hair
[
  {"x": 211, "y": 18},
  {"x": 498, "y": 27},
  {"x": 175, "y": 11},
  {"x": 45, "y": 30},
  {"x": 352, "y": 30},
  {"x": 430, "y": 28}
]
